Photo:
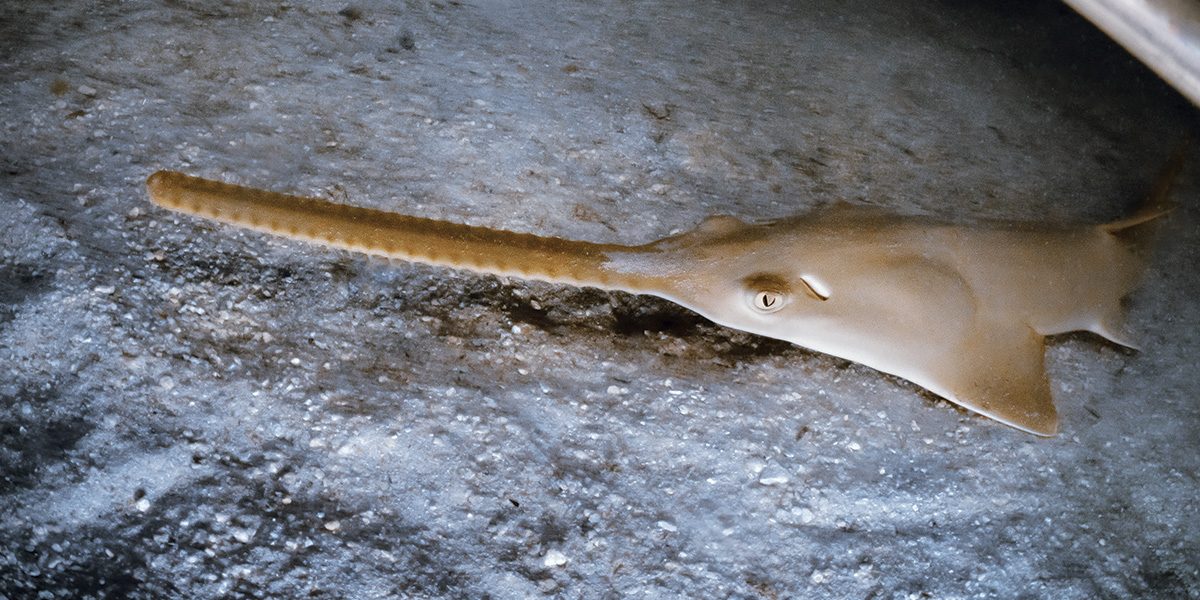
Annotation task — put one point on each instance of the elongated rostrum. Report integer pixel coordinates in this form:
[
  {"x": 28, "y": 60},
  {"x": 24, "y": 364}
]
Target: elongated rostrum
[{"x": 959, "y": 310}]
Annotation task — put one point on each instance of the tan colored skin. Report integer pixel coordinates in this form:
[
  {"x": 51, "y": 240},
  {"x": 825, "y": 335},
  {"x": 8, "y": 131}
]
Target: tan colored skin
[{"x": 960, "y": 311}]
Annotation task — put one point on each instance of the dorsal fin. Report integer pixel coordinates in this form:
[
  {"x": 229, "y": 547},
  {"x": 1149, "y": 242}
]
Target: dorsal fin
[
  {"x": 710, "y": 228},
  {"x": 720, "y": 225}
]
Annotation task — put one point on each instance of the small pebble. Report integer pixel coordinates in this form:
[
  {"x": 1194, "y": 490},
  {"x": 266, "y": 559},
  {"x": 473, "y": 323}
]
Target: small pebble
[
  {"x": 87, "y": 90},
  {"x": 554, "y": 558},
  {"x": 333, "y": 525},
  {"x": 773, "y": 475}
]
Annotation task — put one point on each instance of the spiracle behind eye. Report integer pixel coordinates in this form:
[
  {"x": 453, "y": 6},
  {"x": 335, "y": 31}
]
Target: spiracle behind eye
[
  {"x": 768, "y": 301},
  {"x": 815, "y": 288}
]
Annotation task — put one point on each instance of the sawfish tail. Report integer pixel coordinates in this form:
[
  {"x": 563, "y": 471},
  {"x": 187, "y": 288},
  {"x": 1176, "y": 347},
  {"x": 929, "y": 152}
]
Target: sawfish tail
[
  {"x": 1156, "y": 204},
  {"x": 397, "y": 236}
]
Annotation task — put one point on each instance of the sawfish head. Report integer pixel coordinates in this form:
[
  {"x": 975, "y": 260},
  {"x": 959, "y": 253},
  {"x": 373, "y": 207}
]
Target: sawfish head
[
  {"x": 808, "y": 281},
  {"x": 756, "y": 278},
  {"x": 881, "y": 291}
]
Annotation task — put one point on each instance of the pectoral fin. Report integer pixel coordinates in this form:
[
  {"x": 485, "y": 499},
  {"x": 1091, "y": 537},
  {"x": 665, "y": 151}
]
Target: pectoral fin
[{"x": 999, "y": 371}]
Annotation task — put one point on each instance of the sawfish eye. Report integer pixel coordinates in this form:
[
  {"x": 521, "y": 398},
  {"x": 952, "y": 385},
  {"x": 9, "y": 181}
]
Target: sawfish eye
[
  {"x": 766, "y": 293},
  {"x": 768, "y": 301}
]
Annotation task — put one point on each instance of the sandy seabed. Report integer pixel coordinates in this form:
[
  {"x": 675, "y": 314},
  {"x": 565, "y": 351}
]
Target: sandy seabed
[{"x": 188, "y": 410}]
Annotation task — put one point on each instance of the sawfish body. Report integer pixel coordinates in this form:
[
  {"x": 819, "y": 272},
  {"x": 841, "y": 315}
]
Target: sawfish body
[{"x": 959, "y": 310}]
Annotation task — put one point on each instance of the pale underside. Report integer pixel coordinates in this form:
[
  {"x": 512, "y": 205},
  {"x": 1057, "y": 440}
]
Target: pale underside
[{"x": 960, "y": 311}]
